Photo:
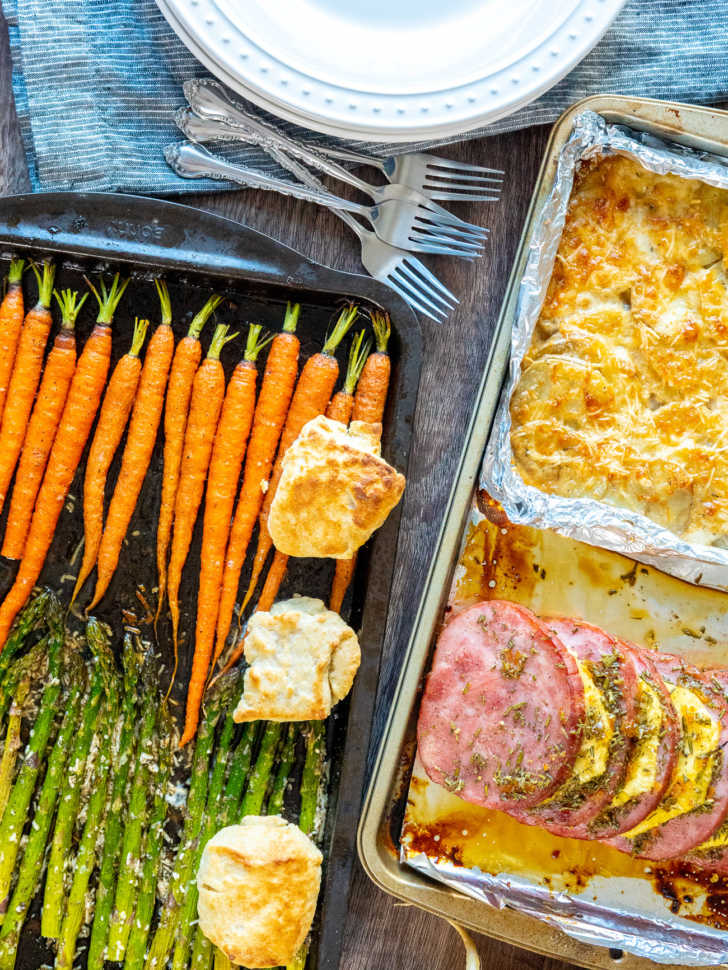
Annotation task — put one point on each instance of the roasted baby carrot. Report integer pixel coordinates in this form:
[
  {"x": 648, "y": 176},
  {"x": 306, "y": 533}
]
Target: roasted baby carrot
[
  {"x": 115, "y": 411},
  {"x": 184, "y": 366},
  {"x": 25, "y": 377},
  {"x": 369, "y": 403},
  {"x": 140, "y": 439},
  {"x": 276, "y": 390},
  {"x": 208, "y": 389},
  {"x": 339, "y": 409},
  {"x": 43, "y": 425},
  {"x": 370, "y": 399},
  {"x": 228, "y": 450},
  {"x": 79, "y": 412},
  {"x": 311, "y": 398},
  {"x": 12, "y": 311}
]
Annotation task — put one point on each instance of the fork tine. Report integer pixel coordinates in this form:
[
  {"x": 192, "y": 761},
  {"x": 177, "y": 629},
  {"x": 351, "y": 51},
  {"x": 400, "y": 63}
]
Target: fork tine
[
  {"x": 419, "y": 267},
  {"x": 434, "y": 161},
  {"x": 426, "y": 223},
  {"x": 417, "y": 278},
  {"x": 429, "y": 244},
  {"x": 408, "y": 298},
  {"x": 437, "y": 249},
  {"x": 440, "y": 215},
  {"x": 434, "y": 225},
  {"x": 445, "y": 176},
  {"x": 411, "y": 282},
  {"x": 461, "y": 196},
  {"x": 449, "y": 234},
  {"x": 417, "y": 293}
]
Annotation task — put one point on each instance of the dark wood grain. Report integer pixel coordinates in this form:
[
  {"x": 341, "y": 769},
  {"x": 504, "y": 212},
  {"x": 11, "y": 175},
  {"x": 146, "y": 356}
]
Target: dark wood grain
[{"x": 382, "y": 934}]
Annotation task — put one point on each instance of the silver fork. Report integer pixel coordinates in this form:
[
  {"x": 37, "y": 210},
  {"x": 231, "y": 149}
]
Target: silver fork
[
  {"x": 437, "y": 178},
  {"x": 398, "y": 223},
  {"x": 209, "y": 100},
  {"x": 402, "y": 272},
  {"x": 434, "y": 177}
]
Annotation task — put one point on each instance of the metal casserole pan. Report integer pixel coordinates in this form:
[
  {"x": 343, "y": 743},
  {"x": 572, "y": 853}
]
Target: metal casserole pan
[
  {"x": 197, "y": 253},
  {"x": 701, "y": 128}
]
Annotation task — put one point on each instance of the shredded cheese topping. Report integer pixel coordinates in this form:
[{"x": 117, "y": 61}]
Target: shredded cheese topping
[{"x": 623, "y": 394}]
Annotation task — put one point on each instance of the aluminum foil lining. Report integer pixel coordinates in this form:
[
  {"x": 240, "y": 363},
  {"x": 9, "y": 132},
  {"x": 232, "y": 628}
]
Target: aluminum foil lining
[
  {"x": 644, "y": 936},
  {"x": 585, "y": 519},
  {"x": 620, "y": 909}
]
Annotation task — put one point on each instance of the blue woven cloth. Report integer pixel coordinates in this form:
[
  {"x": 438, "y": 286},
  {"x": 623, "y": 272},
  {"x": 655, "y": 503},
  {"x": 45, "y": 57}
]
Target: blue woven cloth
[{"x": 96, "y": 83}]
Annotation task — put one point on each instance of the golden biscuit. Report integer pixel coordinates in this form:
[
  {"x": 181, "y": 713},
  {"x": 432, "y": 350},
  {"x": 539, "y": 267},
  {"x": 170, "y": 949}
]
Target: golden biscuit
[
  {"x": 335, "y": 490},
  {"x": 303, "y": 659},
  {"x": 258, "y": 885}
]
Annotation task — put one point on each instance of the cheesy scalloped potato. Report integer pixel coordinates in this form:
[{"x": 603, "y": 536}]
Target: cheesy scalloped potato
[{"x": 623, "y": 393}]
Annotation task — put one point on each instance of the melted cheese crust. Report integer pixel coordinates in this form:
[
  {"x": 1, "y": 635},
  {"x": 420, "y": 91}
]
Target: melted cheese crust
[
  {"x": 623, "y": 394},
  {"x": 694, "y": 769},
  {"x": 642, "y": 767}
]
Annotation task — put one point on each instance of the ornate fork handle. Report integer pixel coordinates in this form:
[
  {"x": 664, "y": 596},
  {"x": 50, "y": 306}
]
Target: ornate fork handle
[
  {"x": 210, "y": 100},
  {"x": 193, "y": 161},
  {"x": 201, "y": 130}
]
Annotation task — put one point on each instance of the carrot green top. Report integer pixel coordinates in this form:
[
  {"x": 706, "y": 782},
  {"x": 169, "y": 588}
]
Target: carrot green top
[
  {"x": 360, "y": 350},
  {"x": 15, "y": 272},
  {"x": 219, "y": 339},
  {"x": 137, "y": 340},
  {"x": 290, "y": 321},
  {"x": 164, "y": 302},
  {"x": 70, "y": 305},
  {"x": 341, "y": 328},
  {"x": 256, "y": 342},
  {"x": 382, "y": 330},
  {"x": 45, "y": 283},
  {"x": 201, "y": 318},
  {"x": 108, "y": 300}
]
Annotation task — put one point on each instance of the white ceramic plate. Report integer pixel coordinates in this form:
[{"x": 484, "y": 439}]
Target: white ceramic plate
[{"x": 390, "y": 70}]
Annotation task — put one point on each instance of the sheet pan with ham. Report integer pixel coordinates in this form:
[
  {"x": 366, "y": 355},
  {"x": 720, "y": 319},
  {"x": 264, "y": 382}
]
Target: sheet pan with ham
[{"x": 573, "y": 744}]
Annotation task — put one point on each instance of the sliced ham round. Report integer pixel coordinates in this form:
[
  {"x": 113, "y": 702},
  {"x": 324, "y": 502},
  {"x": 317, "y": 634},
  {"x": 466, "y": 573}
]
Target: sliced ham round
[
  {"x": 714, "y": 856},
  {"x": 623, "y": 813},
  {"x": 500, "y": 721},
  {"x": 680, "y": 834},
  {"x": 610, "y": 731}
]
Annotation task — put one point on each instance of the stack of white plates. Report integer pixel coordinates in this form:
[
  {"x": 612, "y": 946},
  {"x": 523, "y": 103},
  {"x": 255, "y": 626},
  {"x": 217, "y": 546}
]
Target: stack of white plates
[{"x": 390, "y": 70}]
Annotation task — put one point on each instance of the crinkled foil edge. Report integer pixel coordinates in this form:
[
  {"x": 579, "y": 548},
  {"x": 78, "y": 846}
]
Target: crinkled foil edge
[
  {"x": 588, "y": 520},
  {"x": 662, "y": 941}
]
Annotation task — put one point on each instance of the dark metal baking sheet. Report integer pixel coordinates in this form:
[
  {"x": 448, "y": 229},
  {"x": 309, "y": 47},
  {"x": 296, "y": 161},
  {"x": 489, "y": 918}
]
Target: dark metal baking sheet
[{"x": 198, "y": 253}]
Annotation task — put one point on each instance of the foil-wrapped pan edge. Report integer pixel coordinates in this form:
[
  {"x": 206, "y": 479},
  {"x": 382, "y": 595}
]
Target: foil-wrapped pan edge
[
  {"x": 589, "y": 520},
  {"x": 662, "y": 941}
]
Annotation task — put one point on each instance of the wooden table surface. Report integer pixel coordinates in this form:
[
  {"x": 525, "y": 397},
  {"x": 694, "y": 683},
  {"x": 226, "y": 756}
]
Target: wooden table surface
[{"x": 381, "y": 934}]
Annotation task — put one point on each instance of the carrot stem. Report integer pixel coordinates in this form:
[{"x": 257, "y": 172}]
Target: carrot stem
[
  {"x": 256, "y": 342},
  {"x": 341, "y": 328},
  {"x": 139, "y": 336},
  {"x": 15, "y": 272},
  {"x": 108, "y": 299},
  {"x": 45, "y": 283},
  {"x": 358, "y": 354},
  {"x": 70, "y": 306},
  {"x": 382, "y": 326},
  {"x": 290, "y": 321},
  {"x": 219, "y": 339},
  {"x": 202, "y": 316},
  {"x": 165, "y": 302}
]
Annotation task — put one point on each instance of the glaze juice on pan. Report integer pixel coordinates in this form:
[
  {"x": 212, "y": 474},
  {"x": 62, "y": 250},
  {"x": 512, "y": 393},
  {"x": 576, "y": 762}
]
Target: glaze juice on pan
[{"x": 555, "y": 575}]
